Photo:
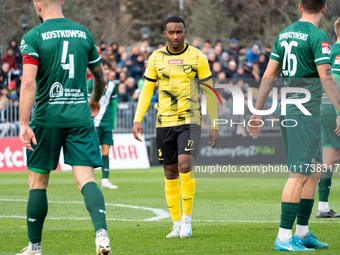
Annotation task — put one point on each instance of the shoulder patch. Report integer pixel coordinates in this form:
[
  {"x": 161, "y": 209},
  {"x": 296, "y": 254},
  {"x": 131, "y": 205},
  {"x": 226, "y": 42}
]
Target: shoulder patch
[
  {"x": 337, "y": 60},
  {"x": 325, "y": 47}
]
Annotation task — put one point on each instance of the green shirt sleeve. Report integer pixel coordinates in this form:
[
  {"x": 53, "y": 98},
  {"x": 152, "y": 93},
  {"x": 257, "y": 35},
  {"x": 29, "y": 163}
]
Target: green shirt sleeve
[
  {"x": 320, "y": 47},
  {"x": 275, "y": 52}
]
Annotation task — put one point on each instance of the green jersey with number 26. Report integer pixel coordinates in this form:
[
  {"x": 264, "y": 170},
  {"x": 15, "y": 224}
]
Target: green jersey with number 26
[
  {"x": 300, "y": 48},
  {"x": 62, "y": 50}
]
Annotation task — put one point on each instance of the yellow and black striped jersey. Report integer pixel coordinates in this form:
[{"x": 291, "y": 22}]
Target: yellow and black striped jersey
[{"x": 177, "y": 75}]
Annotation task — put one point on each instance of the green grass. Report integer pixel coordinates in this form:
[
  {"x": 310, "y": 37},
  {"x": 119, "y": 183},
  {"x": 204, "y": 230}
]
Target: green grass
[{"x": 222, "y": 221}]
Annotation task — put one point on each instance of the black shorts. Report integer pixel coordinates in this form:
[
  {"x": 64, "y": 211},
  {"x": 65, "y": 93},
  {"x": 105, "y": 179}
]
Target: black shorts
[{"x": 174, "y": 141}]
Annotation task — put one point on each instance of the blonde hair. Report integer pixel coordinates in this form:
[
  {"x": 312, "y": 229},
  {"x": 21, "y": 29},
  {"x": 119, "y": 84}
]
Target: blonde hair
[{"x": 337, "y": 27}]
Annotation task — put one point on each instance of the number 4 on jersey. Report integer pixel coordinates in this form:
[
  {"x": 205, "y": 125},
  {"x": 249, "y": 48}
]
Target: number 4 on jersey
[{"x": 69, "y": 66}]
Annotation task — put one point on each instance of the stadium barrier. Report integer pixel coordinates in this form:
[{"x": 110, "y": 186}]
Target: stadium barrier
[{"x": 127, "y": 153}]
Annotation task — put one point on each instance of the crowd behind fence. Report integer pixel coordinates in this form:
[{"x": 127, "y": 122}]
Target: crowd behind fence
[
  {"x": 230, "y": 64},
  {"x": 232, "y": 124}
]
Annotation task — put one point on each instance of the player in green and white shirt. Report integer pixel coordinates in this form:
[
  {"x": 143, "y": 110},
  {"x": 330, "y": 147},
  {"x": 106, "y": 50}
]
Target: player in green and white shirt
[
  {"x": 330, "y": 130},
  {"x": 56, "y": 55},
  {"x": 301, "y": 53},
  {"x": 105, "y": 122}
]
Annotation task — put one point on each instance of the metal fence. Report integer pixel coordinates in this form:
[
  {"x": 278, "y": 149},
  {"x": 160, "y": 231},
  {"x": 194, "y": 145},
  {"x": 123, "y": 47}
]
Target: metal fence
[{"x": 232, "y": 124}]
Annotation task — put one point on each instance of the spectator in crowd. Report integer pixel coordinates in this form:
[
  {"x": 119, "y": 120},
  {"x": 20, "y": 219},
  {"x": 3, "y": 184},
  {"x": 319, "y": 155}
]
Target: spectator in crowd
[
  {"x": 253, "y": 53},
  {"x": 231, "y": 70},
  {"x": 135, "y": 53},
  {"x": 262, "y": 64},
  {"x": 109, "y": 53},
  {"x": 217, "y": 68},
  {"x": 205, "y": 50},
  {"x": 211, "y": 59},
  {"x": 239, "y": 75},
  {"x": 242, "y": 58},
  {"x": 160, "y": 45},
  {"x": 130, "y": 86},
  {"x": 218, "y": 50},
  {"x": 196, "y": 43},
  {"x": 10, "y": 59},
  {"x": 103, "y": 45},
  {"x": 207, "y": 43},
  {"x": 233, "y": 49},
  {"x": 268, "y": 51},
  {"x": 122, "y": 77},
  {"x": 122, "y": 95},
  {"x": 145, "y": 49},
  {"x": 5, "y": 75},
  {"x": 225, "y": 60},
  {"x": 219, "y": 43},
  {"x": 16, "y": 51}
]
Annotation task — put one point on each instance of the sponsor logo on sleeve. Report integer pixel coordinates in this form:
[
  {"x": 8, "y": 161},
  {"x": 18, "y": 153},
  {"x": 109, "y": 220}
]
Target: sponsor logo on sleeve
[
  {"x": 337, "y": 60},
  {"x": 325, "y": 47},
  {"x": 175, "y": 61}
]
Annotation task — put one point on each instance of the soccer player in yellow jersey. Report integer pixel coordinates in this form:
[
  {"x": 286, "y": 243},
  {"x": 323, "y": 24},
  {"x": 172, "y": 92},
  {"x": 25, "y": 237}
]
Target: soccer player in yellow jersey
[{"x": 179, "y": 70}]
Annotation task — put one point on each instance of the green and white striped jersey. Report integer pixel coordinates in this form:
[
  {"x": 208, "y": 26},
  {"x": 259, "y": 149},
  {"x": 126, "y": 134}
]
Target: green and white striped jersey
[{"x": 108, "y": 104}]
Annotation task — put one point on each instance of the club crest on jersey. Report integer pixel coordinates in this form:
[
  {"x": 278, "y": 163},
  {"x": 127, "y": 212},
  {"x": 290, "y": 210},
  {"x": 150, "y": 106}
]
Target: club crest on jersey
[
  {"x": 175, "y": 61},
  {"x": 325, "y": 47},
  {"x": 337, "y": 60}
]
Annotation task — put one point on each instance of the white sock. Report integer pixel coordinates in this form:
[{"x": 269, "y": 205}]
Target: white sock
[
  {"x": 100, "y": 235},
  {"x": 104, "y": 180},
  {"x": 32, "y": 247},
  {"x": 178, "y": 223},
  {"x": 324, "y": 207},
  {"x": 184, "y": 217},
  {"x": 301, "y": 231},
  {"x": 284, "y": 234}
]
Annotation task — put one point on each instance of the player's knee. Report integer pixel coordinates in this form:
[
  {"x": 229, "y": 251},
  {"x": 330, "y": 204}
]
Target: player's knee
[
  {"x": 184, "y": 168},
  {"x": 170, "y": 173}
]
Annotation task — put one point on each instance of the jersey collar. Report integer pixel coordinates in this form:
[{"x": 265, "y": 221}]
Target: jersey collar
[{"x": 177, "y": 53}]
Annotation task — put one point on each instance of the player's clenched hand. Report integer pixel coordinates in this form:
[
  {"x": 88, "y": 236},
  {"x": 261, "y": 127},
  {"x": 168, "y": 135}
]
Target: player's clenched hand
[
  {"x": 136, "y": 130},
  {"x": 214, "y": 135},
  {"x": 95, "y": 107},
  {"x": 26, "y": 135},
  {"x": 337, "y": 130},
  {"x": 254, "y": 125}
]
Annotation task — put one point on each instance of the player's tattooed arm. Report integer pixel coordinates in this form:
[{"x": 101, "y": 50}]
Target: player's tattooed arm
[
  {"x": 99, "y": 83},
  {"x": 329, "y": 84}
]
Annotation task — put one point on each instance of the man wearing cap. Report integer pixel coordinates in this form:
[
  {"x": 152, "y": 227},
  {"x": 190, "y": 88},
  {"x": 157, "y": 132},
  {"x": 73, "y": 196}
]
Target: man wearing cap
[
  {"x": 253, "y": 53},
  {"x": 233, "y": 49}
]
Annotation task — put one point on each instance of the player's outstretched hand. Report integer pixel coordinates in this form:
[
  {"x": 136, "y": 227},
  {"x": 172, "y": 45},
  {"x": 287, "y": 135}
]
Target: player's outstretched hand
[
  {"x": 254, "y": 125},
  {"x": 337, "y": 130},
  {"x": 136, "y": 130},
  {"x": 214, "y": 135},
  {"x": 95, "y": 107},
  {"x": 26, "y": 135}
]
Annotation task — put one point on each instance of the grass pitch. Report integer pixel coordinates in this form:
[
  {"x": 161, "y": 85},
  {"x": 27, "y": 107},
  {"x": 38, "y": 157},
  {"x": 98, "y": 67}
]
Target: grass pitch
[{"x": 231, "y": 216}]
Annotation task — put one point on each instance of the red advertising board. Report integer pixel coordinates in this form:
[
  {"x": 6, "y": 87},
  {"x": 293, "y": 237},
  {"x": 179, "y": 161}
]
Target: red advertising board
[{"x": 13, "y": 155}]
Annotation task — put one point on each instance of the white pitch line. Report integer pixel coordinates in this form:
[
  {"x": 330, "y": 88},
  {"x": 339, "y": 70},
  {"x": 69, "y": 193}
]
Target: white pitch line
[{"x": 160, "y": 213}]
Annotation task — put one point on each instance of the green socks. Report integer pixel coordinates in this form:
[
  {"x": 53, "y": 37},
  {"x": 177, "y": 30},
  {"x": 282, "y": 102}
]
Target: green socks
[
  {"x": 305, "y": 209},
  {"x": 324, "y": 185},
  {"x": 94, "y": 202},
  {"x": 288, "y": 214},
  {"x": 105, "y": 167},
  {"x": 36, "y": 213}
]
